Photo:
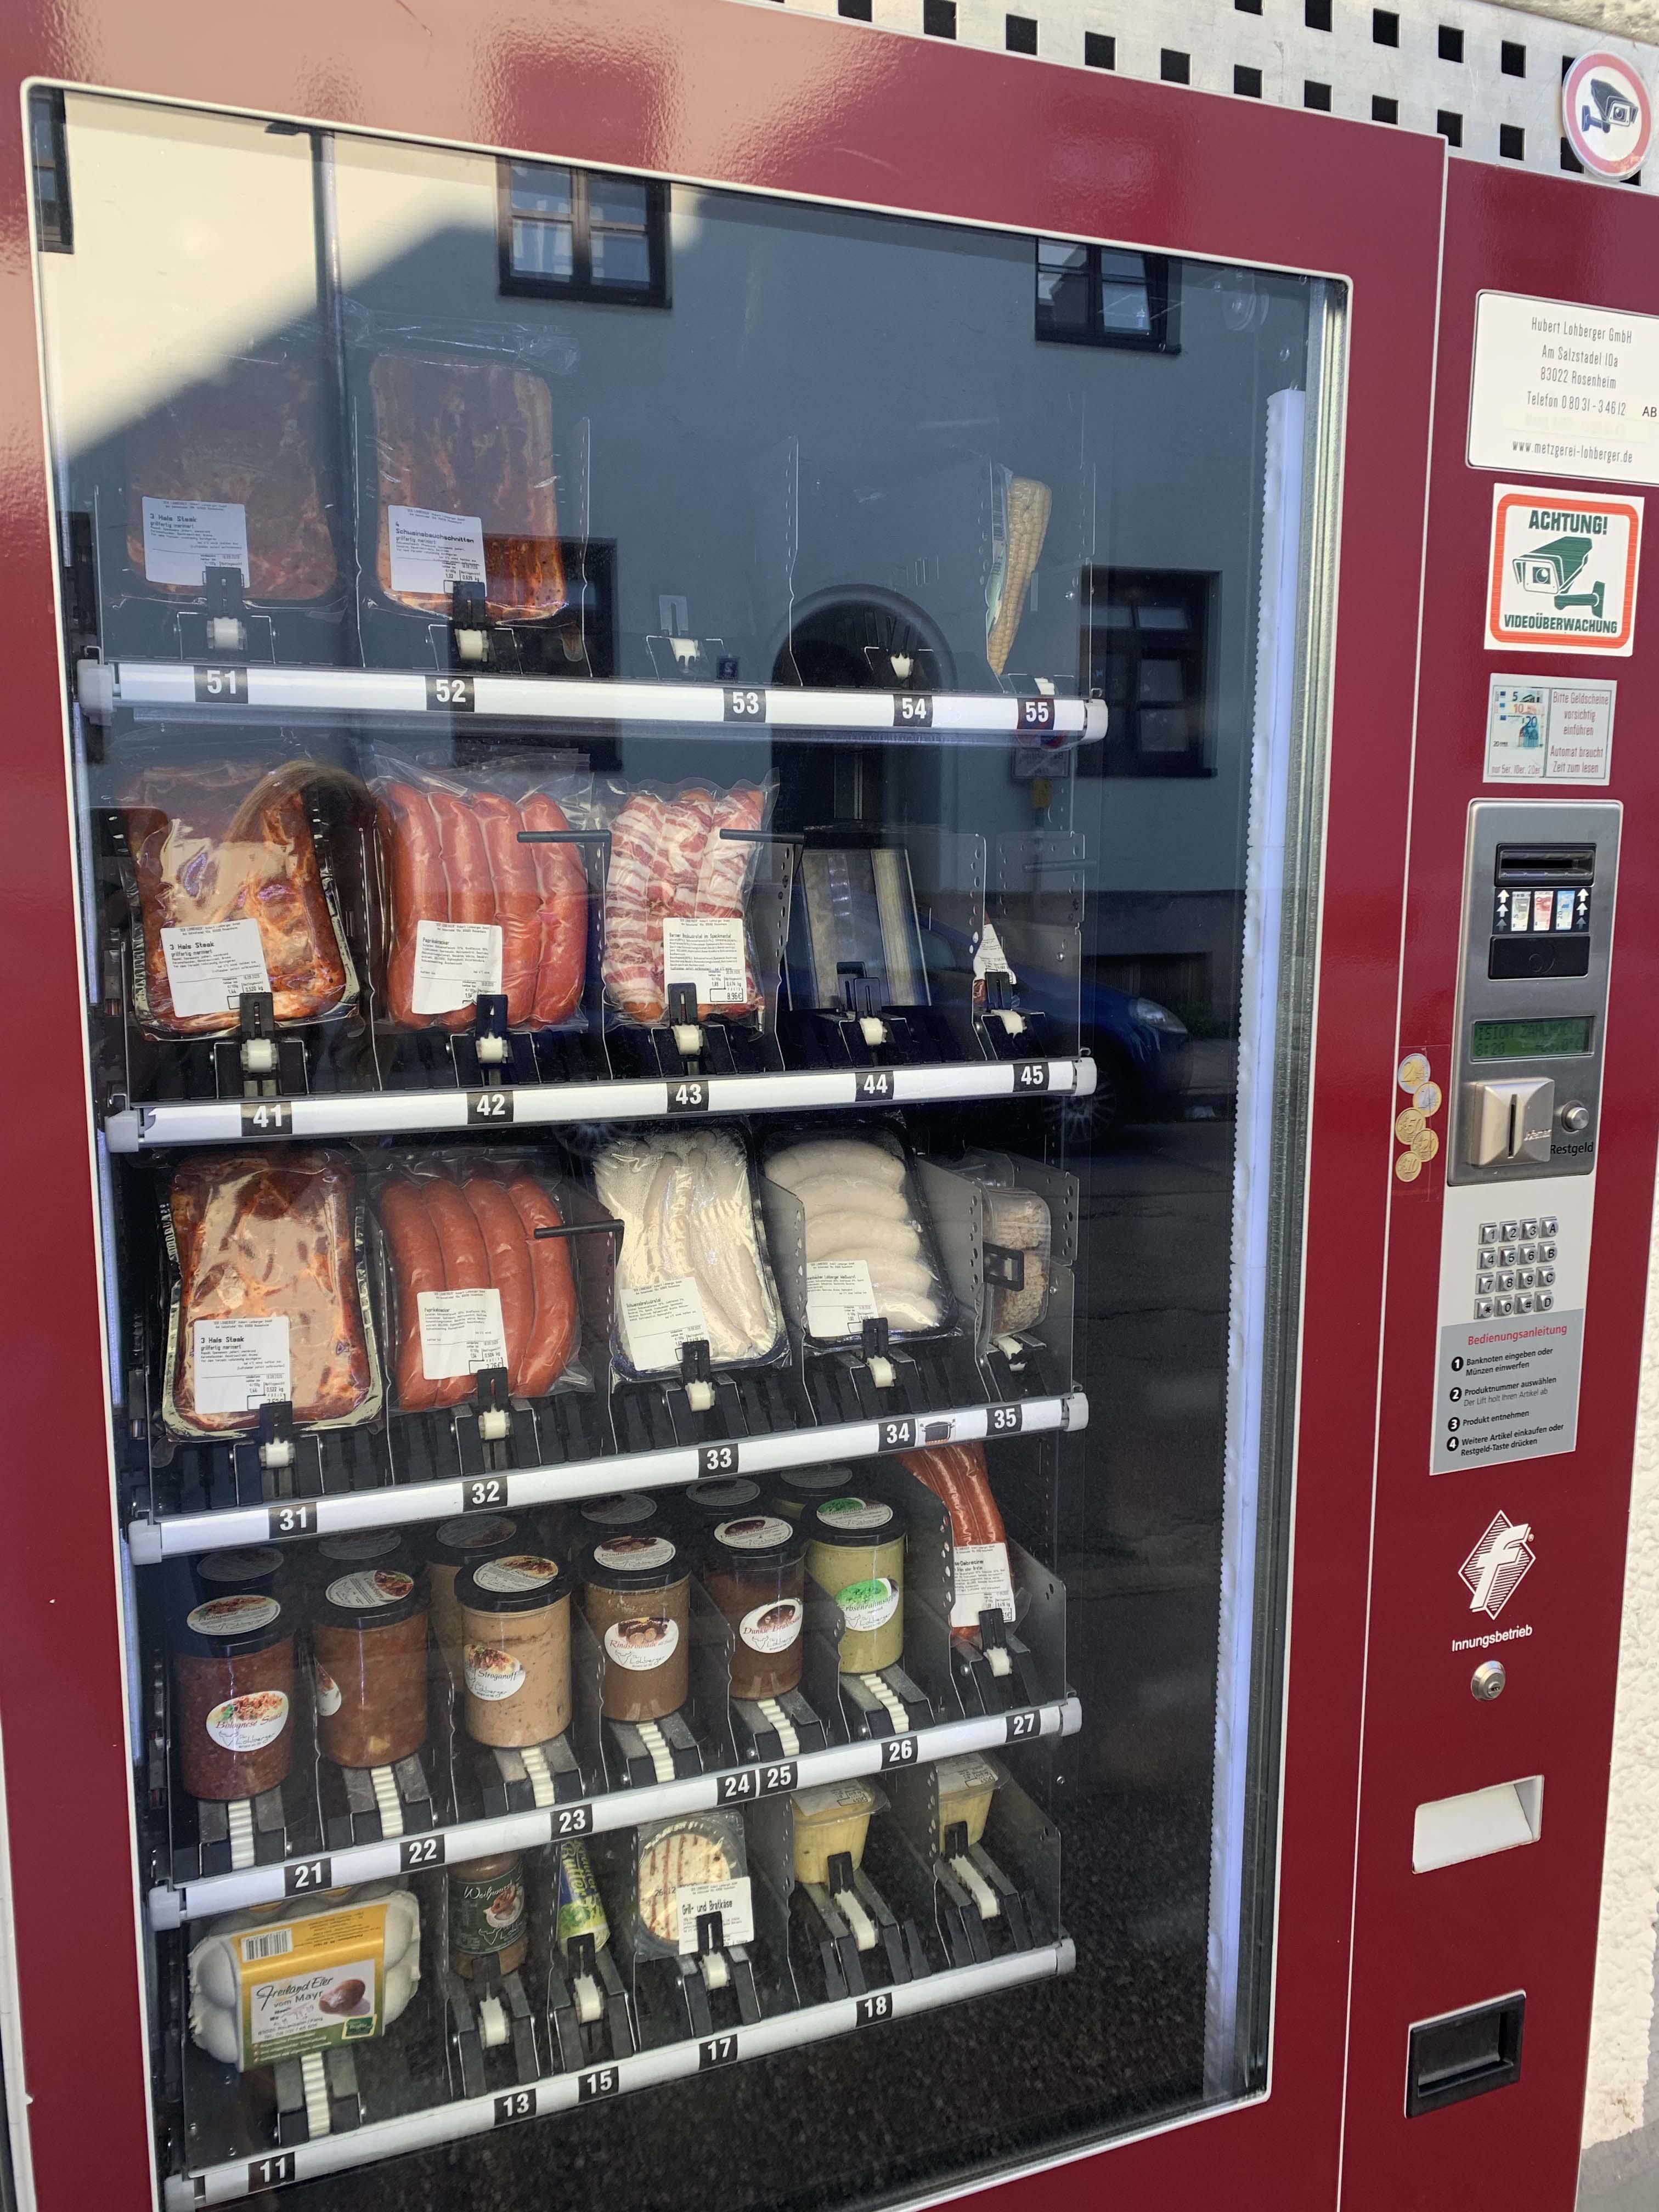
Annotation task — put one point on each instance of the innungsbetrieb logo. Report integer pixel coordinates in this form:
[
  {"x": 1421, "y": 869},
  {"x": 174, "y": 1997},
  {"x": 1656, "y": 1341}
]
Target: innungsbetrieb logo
[{"x": 1499, "y": 1564}]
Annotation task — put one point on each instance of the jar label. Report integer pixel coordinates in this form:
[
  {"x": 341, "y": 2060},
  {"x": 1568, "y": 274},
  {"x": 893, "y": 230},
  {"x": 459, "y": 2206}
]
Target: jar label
[
  {"x": 239, "y": 1566},
  {"x": 759, "y": 1532},
  {"x": 476, "y": 1534},
  {"x": 487, "y": 1913},
  {"x": 368, "y": 1544},
  {"x": 238, "y": 1614},
  {"x": 856, "y": 1513},
  {"x": 328, "y": 1693},
  {"x": 622, "y": 1511},
  {"x": 772, "y": 1627},
  {"x": 250, "y": 1722},
  {"x": 377, "y": 1586},
  {"x": 519, "y": 1571},
  {"x": 640, "y": 1645},
  {"x": 633, "y": 1554},
  {"x": 491, "y": 1674},
  {"x": 870, "y": 1604}
]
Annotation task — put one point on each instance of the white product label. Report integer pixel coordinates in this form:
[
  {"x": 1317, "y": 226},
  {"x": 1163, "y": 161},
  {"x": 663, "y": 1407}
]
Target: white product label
[
  {"x": 241, "y": 1364},
  {"x": 308, "y": 2001},
  {"x": 983, "y": 1584},
  {"x": 328, "y": 1691},
  {"x": 1562, "y": 572},
  {"x": 1561, "y": 391},
  {"x": 454, "y": 961},
  {"x": 856, "y": 1513},
  {"x": 373, "y": 1586},
  {"x": 238, "y": 1614},
  {"x": 491, "y": 1674},
  {"x": 658, "y": 1319},
  {"x": 826, "y": 1797},
  {"x": 641, "y": 1645},
  {"x": 185, "y": 537},
  {"x": 461, "y": 1332},
  {"x": 869, "y": 1604},
  {"x": 431, "y": 550},
  {"x": 756, "y": 1532},
  {"x": 709, "y": 953},
  {"x": 211, "y": 963},
  {"x": 249, "y": 1724},
  {"x": 772, "y": 1627},
  {"x": 520, "y": 1570},
  {"x": 730, "y": 1900},
  {"x": 991, "y": 959},
  {"x": 1543, "y": 733},
  {"x": 633, "y": 1553},
  {"x": 840, "y": 1297}
]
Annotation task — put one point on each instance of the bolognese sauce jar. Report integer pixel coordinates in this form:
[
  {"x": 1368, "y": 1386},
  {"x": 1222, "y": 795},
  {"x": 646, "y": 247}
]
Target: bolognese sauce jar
[
  {"x": 232, "y": 1676},
  {"x": 637, "y": 1597},
  {"x": 753, "y": 1570},
  {"x": 515, "y": 1624},
  {"x": 368, "y": 1667}
]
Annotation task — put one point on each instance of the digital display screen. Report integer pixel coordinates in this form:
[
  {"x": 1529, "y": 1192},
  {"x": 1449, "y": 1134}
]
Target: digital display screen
[{"x": 1532, "y": 1040}]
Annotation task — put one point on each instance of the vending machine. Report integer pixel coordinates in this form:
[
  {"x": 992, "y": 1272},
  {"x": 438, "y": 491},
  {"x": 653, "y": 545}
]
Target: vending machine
[{"x": 804, "y": 1158}]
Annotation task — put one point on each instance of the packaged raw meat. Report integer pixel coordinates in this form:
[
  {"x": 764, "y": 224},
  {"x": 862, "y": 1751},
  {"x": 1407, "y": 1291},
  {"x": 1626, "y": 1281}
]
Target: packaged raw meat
[
  {"x": 681, "y": 863},
  {"x": 229, "y": 896},
  {"x": 464, "y": 467},
  {"x": 268, "y": 1297},
  {"x": 956, "y": 1475},
  {"x": 693, "y": 1262},
  {"x": 869, "y": 1244},
  {"x": 471, "y": 1285},
  {"x": 229, "y": 473},
  {"x": 470, "y": 908}
]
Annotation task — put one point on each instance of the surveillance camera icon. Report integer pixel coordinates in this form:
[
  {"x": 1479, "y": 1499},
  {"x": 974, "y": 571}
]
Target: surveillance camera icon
[
  {"x": 1549, "y": 570},
  {"x": 1613, "y": 110}
]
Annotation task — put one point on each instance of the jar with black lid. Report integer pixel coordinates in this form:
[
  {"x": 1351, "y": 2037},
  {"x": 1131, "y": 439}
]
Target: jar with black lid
[
  {"x": 368, "y": 1667},
  {"x": 754, "y": 1570},
  {"x": 232, "y": 1676}
]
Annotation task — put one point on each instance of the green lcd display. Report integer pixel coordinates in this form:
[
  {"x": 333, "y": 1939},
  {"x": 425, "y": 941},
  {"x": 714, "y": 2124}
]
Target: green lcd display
[{"x": 1532, "y": 1040}]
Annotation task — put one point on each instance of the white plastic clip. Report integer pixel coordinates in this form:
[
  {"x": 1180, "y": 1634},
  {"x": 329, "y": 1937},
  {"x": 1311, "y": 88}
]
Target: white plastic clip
[
  {"x": 258, "y": 1056},
  {"x": 313, "y": 2081},
  {"x": 590, "y": 2005},
  {"x": 278, "y": 1452},
  {"x": 882, "y": 1372},
  {"x": 903, "y": 663},
  {"x": 716, "y": 1974},
  {"x": 977, "y": 1887},
  {"x": 788, "y": 1741},
  {"x": 493, "y": 2030},
  {"x": 687, "y": 1040},
  {"x": 851, "y": 1909},
  {"x": 491, "y": 1051},
  {"x": 1001, "y": 1663},
  {"x": 226, "y": 634},
  {"x": 1009, "y": 1347},
  {"x": 492, "y": 1424},
  {"x": 387, "y": 1803},
  {"x": 872, "y": 1030},
  {"x": 687, "y": 650},
  {"x": 662, "y": 1759},
  {"x": 472, "y": 645},
  {"x": 896, "y": 1712},
  {"x": 238, "y": 1817},
  {"x": 543, "y": 1788},
  {"x": 700, "y": 1396},
  {"x": 1012, "y": 1021}
]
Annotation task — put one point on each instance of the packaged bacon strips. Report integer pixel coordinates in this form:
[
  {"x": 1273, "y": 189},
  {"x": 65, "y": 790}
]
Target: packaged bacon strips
[
  {"x": 470, "y": 908},
  {"x": 681, "y": 860}
]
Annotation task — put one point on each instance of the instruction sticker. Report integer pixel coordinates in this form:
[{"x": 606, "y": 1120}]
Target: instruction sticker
[
  {"x": 429, "y": 550},
  {"x": 658, "y": 1318},
  {"x": 210, "y": 963},
  {"x": 185, "y": 537},
  {"x": 1564, "y": 391},
  {"x": 1562, "y": 577},
  {"x": 709, "y": 953},
  {"x": 454, "y": 961},
  {"x": 1549, "y": 732},
  {"x": 461, "y": 1333},
  {"x": 839, "y": 1297},
  {"x": 240, "y": 1365}
]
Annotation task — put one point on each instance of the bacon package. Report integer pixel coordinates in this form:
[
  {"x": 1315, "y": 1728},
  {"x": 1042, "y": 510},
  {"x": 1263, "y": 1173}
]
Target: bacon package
[
  {"x": 471, "y": 908},
  {"x": 472, "y": 1285},
  {"x": 681, "y": 862},
  {"x": 269, "y": 1299},
  {"x": 230, "y": 896}
]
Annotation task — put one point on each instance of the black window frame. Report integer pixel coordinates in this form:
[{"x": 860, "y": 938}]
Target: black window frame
[
  {"x": 1162, "y": 303},
  {"x": 1197, "y": 590},
  {"x": 46, "y": 113},
  {"x": 579, "y": 284}
]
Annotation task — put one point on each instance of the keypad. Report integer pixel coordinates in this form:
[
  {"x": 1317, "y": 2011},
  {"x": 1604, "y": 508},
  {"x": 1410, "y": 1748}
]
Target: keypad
[{"x": 1513, "y": 1270}]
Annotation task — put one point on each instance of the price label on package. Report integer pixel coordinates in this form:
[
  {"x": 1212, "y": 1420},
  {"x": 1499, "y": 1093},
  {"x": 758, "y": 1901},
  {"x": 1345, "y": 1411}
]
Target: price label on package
[
  {"x": 241, "y": 1364},
  {"x": 709, "y": 954},
  {"x": 454, "y": 961},
  {"x": 430, "y": 550},
  {"x": 658, "y": 1319},
  {"x": 983, "y": 1584},
  {"x": 840, "y": 1297},
  {"x": 460, "y": 1333},
  {"x": 185, "y": 537},
  {"x": 733, "y": 1902},
  {"x": 211, "y": 963}
]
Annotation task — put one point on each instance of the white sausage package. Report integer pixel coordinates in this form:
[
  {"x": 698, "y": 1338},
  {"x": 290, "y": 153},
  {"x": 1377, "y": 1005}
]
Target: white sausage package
[{"x": 869, "y": 1244}]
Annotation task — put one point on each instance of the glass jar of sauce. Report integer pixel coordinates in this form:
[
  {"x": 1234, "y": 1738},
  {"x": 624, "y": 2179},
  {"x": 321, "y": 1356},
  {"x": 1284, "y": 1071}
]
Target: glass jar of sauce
[
  {"x": 855, "y": 1550},
  {"x": 795, "y": 1494},
  {"x": 368, "y": 1667},
  {"x": 450, "y": 1548},
  {"x": 515, "y": 1651},
  {"x": 599, "y": 1517},
  {"x": 637, "y": 1596},
  {"x": 233, "y": 1679},
  {"x": 489, "y": 1915},
  {"x": 753, "y": 1570},
  {"x": 246, "y": 1567}
]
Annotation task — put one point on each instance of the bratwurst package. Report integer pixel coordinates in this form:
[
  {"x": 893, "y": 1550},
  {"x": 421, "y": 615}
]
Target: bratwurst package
[{"x": 869, "y": 1243}]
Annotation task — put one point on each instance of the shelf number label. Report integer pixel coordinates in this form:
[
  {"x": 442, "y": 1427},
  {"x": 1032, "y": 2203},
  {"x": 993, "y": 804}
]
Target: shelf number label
[
  {"x": 1021, "y": 1727},
  {"x": 417, "y": 1851},
  {"x": 572, "y": 1820},
  {"x": 1030, "y": 1075},
  {"x": 1036, "y": 714},
  {"x": 898, "y": 1751},
  {"x": 453, "y": 694},
  {"x": 688, "y": 1095},
  {"x": 267, "y": 2172},
  {"x": 309, "y": 1876},
  {"x": 516, "y": 2105},
  {"x": 716, "y": 1459},
  {"x": 267, "y": 1117},
  {"x": 898, "y": 1436},
  {"x": 751, "y": 1782},
  {"x": 294, "y": 1519},
  {"x": 481, "y": 1493},
  {"x": 600, "y": 2081},
  {"x": 493, "y": 1109},
  {"x": 745, "y": 705},
  {"x": 716, "y": 2050},
  {"x": 220, "y": 686},
  {"x": 912, "y": 710},
  {"x": 876, "y": 1083},
  {"x": 1002, "y": 1420},
  {"x": 877, "y": 2006}
]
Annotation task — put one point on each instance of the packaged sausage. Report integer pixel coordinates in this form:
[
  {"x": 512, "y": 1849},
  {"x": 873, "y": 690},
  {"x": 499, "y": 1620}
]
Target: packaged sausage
[
  {"x": 277, "y": 1981},
  {"x": 229, "y": 892},
  {"x": 681, "y": 860},
  {"x": 469, "y": 1284},
  {"x": 470, "y": 908},
  {"x": 1016, "y": 1220},
  {"x": 956, "y": 1475},
  {"x": 689, "y": 1867},
  {"x": 269, "y": 1298},
  {"x": 870, "y": 1248},
  {"x": 693, "y": 1263}
]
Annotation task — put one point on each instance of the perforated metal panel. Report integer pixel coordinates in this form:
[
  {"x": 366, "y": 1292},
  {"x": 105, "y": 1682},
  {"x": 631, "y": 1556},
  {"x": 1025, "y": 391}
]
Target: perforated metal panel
[{"x": 1489, "y": 78}]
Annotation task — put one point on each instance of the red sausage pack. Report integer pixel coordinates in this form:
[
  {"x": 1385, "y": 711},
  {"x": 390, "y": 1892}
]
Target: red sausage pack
[{"x": 956, "y": 1475}]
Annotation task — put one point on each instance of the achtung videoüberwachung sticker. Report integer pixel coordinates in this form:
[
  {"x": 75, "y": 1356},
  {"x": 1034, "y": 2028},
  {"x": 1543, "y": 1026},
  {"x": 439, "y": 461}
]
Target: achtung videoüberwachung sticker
[{"x": 1563, "y": 572}]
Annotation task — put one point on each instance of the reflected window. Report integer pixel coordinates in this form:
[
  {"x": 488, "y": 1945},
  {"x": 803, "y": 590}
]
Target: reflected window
[
  {"x": 1146, "y": 653},
  {"x": 1106, "y": 295},
  {"x": 50, "y": 161},
  {"x": 583, "y": 233}
]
